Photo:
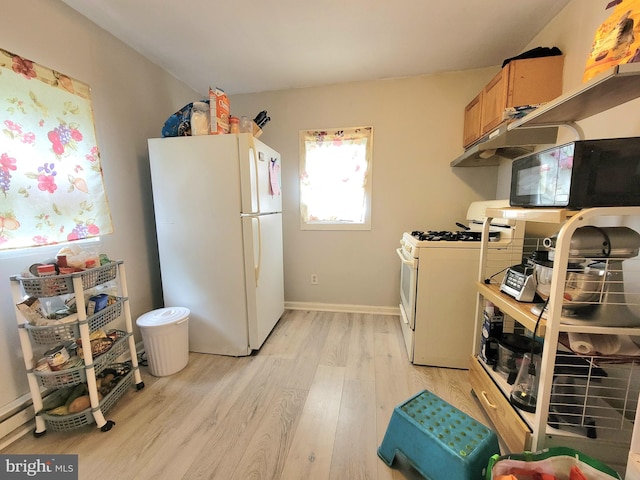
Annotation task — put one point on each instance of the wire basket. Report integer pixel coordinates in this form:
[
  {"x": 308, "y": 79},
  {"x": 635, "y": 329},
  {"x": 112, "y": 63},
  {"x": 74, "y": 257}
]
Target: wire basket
[
  {"x": 62, "y": 378},
  {"x": 74, "y": 375},
  {"x": 119, "y": 347},
  {"x": 50, "y": 334},
  {"x": 66, "y": 332},
  {"x": 63, "y": 284},
  {"x": 105, "y": 316},
  {"x": 117, "y": 391},
  {"x": 65, "y": 423}
]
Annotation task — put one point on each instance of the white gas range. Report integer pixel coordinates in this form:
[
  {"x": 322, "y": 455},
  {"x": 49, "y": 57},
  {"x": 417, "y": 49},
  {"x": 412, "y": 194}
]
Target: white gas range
[{"x": 437, "y": 284}]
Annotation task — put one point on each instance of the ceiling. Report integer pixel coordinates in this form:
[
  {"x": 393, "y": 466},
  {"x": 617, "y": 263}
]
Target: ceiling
[{"x": 251, "y": 46}]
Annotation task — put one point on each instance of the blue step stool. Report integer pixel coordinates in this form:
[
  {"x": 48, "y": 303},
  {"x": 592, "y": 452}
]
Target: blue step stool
[{"x": 439, "y": 441}]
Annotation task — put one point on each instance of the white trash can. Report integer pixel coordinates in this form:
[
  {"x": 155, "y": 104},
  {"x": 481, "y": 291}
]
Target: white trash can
[{"x": 165, "y": 334}]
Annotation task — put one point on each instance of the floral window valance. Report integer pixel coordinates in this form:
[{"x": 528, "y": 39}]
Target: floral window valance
[{"x": 51, "y": 185}]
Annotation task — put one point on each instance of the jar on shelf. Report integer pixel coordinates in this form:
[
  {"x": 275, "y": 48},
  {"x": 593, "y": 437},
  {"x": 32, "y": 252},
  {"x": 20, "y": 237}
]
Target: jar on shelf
[
  {"x": 46, "y": 270},
  {"x": 234, "y": 125},
  {"x": 246, "y": 125}
]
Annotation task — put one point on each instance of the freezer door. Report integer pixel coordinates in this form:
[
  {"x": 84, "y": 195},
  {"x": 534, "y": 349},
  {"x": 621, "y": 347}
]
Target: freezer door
[
  {"x": 264, "y": 274},
  {"x": 260, "y": 176},
  {"x": 191, "y": 175}
]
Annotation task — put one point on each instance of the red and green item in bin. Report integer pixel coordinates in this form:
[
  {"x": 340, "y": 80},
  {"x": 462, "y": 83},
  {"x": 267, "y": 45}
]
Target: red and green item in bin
[{"x": 557, "y": 463}]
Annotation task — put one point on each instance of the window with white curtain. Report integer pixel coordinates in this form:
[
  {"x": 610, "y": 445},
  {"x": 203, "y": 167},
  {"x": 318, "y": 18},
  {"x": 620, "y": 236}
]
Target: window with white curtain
[
  {"x": 51, "y": 186},
  {"x": 335, "y": 178}
]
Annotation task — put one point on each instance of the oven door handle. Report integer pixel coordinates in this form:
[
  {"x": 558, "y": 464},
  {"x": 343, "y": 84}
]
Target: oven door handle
[
  {"x": 403, "y": 315},
  {"x": 411, "y": 263}
]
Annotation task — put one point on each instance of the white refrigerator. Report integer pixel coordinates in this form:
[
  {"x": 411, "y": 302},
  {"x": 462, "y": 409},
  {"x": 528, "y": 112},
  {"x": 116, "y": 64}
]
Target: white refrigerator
[{"x": 218, "y": 212}]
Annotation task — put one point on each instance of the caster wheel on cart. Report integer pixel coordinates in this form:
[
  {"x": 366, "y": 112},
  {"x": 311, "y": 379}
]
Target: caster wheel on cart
[
  {"x": 38, "y": 434},
  {"x": 107, "y": 426},
  {"x": 139, "y": 386}
]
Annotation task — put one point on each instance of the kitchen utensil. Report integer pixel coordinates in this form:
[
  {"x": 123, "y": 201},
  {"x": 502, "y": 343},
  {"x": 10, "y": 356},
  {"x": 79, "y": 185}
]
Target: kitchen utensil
[
  {"x": 583, "y": 285},
  {"x": 600, "y": 242},
  {"x": 594, "y": 285},
  {"x": 524, "y": 394},
  {"x": 519, "y": 283},
  {"x": 261, "y": 119},
  {"x": 511, "y": 349}
]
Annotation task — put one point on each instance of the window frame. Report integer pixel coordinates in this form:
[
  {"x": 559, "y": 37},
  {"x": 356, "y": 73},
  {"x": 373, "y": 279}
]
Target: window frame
[{"x": 337, "y": 225}]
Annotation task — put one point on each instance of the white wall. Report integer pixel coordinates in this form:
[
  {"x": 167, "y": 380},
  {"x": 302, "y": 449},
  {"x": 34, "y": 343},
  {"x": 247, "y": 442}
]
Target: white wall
[
  {"x": 417, "y": 129},
  {"x": 417, "y": 125},
  {"x": 131, "y": 100}
]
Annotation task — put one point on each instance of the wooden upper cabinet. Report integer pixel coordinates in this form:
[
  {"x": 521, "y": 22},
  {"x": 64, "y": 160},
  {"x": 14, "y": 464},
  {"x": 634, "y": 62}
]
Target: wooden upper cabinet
[
  {"x": 521, "y": 82},
  {"x": 495, "y": 99},
  {"x": 472, "y": 119},
  {"x": 534, "y": 80}
]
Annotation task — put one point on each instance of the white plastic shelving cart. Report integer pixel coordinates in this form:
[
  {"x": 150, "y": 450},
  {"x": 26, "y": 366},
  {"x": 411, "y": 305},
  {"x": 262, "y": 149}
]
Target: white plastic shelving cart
[{"x": 80, "y": 325}]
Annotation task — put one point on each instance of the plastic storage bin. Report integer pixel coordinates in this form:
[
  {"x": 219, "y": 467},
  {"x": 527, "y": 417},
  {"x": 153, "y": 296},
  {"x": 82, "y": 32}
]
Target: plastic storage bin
[{"x": 165, "y": 334}]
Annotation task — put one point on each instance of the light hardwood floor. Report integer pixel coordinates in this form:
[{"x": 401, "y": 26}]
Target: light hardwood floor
[{"x": 313, "y": 403}]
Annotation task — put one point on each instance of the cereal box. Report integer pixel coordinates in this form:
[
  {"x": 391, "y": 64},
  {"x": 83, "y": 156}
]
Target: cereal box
[{"x": 219, "y": 111}]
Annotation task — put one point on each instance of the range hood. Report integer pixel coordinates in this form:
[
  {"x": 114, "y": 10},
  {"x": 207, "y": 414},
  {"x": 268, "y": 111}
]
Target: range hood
[{"x": 505, "y": 143}]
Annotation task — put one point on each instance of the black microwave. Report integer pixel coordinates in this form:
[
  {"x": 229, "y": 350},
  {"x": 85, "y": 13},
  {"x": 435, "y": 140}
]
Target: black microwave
[{"x": 580, "y": 174}]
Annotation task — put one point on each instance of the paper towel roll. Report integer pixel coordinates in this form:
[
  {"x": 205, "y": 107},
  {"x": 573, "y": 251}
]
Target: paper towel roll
[
  {"x": 606, "y": 344},
  {"x": 628, "y": 346},
  {"x": 586, "y": 344},
  {"x": 581, "y": 343}
]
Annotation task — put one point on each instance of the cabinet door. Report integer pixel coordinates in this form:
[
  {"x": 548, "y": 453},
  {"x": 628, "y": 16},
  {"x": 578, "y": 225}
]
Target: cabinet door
[
  {"x": 534, "y": 80},
  {"x": 494, "y": 101},
  {"x": 472, "y": 118}
]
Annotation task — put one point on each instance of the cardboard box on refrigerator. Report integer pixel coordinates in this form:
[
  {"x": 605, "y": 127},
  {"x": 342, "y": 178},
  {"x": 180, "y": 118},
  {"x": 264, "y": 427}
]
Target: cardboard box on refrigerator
[{"x": 219, "y": 111}]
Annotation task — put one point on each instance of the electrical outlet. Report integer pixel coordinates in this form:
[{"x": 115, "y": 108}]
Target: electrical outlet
[{"x": 314, "y": 279}]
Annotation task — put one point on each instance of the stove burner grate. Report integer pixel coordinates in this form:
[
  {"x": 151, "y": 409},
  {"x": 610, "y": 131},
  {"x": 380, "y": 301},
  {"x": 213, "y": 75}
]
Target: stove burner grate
[{"x": 448, "y": 236}]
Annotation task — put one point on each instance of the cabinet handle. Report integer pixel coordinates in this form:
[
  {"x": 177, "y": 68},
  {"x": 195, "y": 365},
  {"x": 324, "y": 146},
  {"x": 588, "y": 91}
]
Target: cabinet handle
[{"x": 486, "y": 399}]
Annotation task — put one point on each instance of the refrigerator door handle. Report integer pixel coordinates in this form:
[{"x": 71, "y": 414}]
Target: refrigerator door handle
[
  {"x": 252, "y": 147},
  {"x": 259, "y": 241}
]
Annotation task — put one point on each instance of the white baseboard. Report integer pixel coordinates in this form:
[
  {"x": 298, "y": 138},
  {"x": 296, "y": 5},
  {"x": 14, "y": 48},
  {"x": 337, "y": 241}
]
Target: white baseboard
[
  {"x": 14, "y": 418},
  {"x": 21, "y": 431},
  {"x": 342, "y": 308}
]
